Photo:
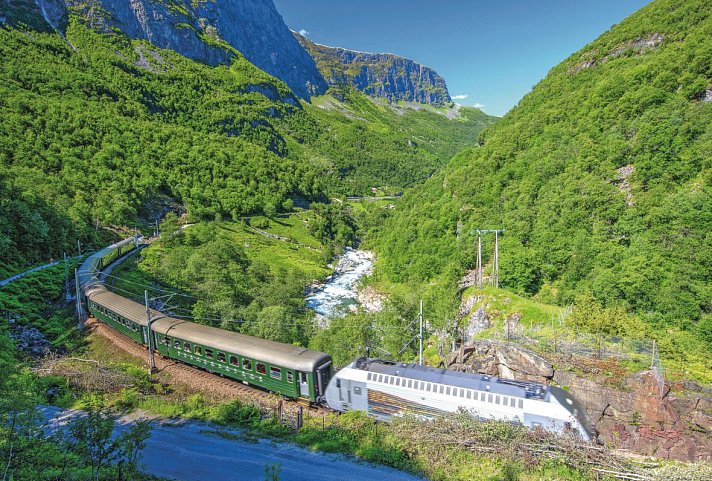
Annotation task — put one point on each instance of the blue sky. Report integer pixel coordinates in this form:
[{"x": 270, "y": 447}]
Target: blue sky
[{"x": 493, "y": 52}]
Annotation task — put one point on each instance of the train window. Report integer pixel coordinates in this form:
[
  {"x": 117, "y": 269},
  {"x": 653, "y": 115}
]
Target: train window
[
  {"x": 186, "y": 347},
  {"x": 197, "y": 350},
  {"x": 247, "y": 365},
  {"x": 447, "y": 390},
  {"x": 233, "y": 360},
  {"x": 442, "y": 389},
  {"x": 380, "y": 378},
  {"x": 496, "y": 399},
  {"x": 520, "y": 404},
  {"x": 489, "y": 398},
  {"x": 275, "y": 373},
  {"x": 370, "y": 376},
  {"x": 410, "y": 383},
  {"x": 176, "y": 344},
  {"x": 338, "y": 383},
  {"x": 469, "y": 394},
  {"x": 512, "y": 402},
  {"x": 221, "y": 356},
  {"x": 290, "y": 377},
  {"x": 462, "y": 393},
  {"x": 357, "y": 390},
  {"x": 167, "y": 341},
  {"x": 391, "y": 380},
  {"x": 209, "y": 353},
  {"x": 261, "y": 368}
]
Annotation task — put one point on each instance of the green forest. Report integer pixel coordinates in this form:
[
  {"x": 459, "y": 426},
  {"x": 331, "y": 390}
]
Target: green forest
[
  {"x": 108, "y": 135},
  {"x": 600, "y": 178}
]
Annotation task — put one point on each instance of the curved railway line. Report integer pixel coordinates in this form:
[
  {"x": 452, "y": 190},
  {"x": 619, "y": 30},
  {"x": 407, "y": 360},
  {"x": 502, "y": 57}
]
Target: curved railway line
[{"x": 197, "y": 379}]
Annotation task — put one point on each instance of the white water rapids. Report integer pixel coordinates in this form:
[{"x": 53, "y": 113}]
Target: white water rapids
[{"x": 340, "y": 290}]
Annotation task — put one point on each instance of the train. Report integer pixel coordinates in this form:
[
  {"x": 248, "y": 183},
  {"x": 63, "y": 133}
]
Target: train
[{"x": 383, "y": 389}]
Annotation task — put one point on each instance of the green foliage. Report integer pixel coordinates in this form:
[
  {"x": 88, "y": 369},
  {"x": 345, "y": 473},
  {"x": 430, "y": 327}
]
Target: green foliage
[
  {"x": 600, "y": 178},
  {"x": 93, "y": 138}
]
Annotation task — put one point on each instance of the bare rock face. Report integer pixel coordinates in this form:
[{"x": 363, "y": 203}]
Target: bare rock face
[
  {"x": 676, "y": 426},
  {"x": 210, "y": 31},
  {"x": 501, "y": 360},
  {"x": 381, "y": 75},
  {"x": 634, "y": 416}
]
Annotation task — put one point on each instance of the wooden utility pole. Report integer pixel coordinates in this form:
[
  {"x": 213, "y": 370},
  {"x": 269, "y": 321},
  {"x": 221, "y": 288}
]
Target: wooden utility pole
[
  {"x": 421, "y": 334},
  {"x": 151, "y": 361}
]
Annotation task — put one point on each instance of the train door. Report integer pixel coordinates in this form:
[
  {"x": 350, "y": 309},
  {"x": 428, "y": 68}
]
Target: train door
[
  {"x": 344, "y": 387},
  {"x": 303, "y": 384}
]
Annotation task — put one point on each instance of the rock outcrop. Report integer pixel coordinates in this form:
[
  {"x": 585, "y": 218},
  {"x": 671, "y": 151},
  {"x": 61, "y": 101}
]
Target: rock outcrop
[
  {"x": 379, "y": 74},
  {"x": 633, "y": 415},
  {"x": 207, "y": 30},
  {"x": 501, "y": 360}
]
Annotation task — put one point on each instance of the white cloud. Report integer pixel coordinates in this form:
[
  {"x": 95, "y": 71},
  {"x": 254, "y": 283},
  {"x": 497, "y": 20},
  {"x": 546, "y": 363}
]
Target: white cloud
[
  {"x": 460, "y": 97},
  {"x": 478, "y": 105},
  {"x": 303, "y": 33}
]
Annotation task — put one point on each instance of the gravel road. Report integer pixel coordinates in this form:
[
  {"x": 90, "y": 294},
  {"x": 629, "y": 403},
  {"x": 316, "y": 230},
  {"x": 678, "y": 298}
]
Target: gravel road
[{"x": 194, "y": 451}]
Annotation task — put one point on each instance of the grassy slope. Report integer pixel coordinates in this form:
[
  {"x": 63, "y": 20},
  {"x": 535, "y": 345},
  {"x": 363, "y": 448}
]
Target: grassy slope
[{"x": 548, "y": 173}]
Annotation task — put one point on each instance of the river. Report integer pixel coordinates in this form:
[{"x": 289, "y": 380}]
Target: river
[{"x": 339, "y": 292}]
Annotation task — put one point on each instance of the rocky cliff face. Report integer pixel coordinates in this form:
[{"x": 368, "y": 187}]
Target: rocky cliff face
[
  {"x": 631, "y": 415},
  {"x": 209, "y": 31},
  {"x": 379, "y": 74}
]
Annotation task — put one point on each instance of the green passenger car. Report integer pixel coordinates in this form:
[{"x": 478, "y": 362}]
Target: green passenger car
[{"x": 292, "y": 371}]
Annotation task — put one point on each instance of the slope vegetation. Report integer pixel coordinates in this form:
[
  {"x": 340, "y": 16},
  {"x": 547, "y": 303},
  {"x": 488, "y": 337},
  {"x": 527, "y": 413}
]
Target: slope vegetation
[
  {"x": 96, "y": 136},
  {"x": 600, "y": 177}
]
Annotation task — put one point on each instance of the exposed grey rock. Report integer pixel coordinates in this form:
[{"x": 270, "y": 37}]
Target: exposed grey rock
[
  {"x": 30, "y": 341},
  {"x": 208, "y": 31},
  {"x": 381, "y": 75}
]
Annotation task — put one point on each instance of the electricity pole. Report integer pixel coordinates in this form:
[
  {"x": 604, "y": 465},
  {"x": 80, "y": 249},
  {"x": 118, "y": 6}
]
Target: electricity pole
[
  {"x": 421, "y": 333},
  {"x": 79, "y": 298},
  {"x": 495, "y": 256},
  {"x": 79, "y": 247},
  {"x": 479, "y": 259},
  {"x": 151, "y": 361}
]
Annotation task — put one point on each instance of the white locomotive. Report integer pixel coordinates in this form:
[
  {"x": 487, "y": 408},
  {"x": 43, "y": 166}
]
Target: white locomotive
[{"x": 384, "y": 389}]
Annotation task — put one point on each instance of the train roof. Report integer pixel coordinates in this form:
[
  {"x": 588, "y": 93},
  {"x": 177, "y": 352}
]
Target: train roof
[
  {"x": 479, "y": 382},
  {"x": 88, "y": 270},
  {"x": 272, "y": 352}
]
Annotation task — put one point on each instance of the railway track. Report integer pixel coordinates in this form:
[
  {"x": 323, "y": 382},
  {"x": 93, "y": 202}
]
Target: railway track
[{"x": 197, "y": 379}]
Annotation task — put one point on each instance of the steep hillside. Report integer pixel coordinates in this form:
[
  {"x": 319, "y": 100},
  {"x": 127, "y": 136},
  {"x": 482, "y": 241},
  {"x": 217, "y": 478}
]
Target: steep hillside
[
  {"x": 207, "y": 31},
  {"x": 600, "y": 177},
  {"x": 375, "y": 144},
  {"x": 116, "y": 131},
  {"x": 378, "y": 74}
]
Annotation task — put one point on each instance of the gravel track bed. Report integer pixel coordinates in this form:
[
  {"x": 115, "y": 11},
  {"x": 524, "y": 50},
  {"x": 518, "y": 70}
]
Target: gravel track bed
[{"x": 174, "y": 372}]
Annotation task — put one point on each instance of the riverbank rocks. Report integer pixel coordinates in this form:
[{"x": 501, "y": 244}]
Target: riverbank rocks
[{"x": 501, "y": 360}]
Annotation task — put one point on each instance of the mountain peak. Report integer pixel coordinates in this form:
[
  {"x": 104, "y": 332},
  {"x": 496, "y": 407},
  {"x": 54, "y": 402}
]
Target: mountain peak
[{"x": 385, "y": 75}]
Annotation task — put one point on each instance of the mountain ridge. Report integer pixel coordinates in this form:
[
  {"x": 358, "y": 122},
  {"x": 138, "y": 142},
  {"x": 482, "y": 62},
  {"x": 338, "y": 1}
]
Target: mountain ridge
[{"x": 384, "y": 75}]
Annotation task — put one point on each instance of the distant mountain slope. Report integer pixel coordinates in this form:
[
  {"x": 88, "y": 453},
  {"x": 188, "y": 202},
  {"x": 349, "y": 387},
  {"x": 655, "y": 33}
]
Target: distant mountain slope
[
  {"x": 601, "y": 177},
  {"x": 207, "y": 31},
  {"x": 104, "y": 134},
  {"x": 378, "y": 74}
]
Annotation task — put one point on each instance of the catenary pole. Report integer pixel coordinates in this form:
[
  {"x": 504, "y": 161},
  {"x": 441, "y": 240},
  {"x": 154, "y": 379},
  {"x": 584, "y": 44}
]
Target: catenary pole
[
  {"x": 421, "y": 334},
  {"x": 151, "y": 361}
]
